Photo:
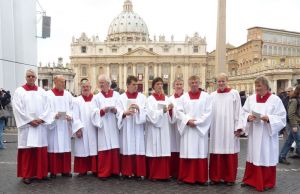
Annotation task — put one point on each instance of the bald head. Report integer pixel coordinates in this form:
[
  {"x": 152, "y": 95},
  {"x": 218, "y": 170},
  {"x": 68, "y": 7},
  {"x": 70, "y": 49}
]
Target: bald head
[{"x": 59, "y": 82}]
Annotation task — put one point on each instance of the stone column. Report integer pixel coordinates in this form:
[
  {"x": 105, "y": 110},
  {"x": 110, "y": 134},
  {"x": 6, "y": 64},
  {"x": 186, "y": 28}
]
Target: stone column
[
  {"x": 134, "y": 69},
  {"x": 186, "y": 76},
  {"x": 159, "y": 69},
  {"x": 120, "y": 76},
  {"x": 93, "y": 76},
  {"x": 155, "y": 69},
  {"x": 125, "y": 75},
  {"x": 107, "y": 70},
  {"x": 274, "y": 87},
  {"x": 146, "y": 79},
  {"x": 203, "y": 76},
  {"x": 289, "y": 83},
  {"x": 172, "y": 78},
  {"x": 221, "y": 65}
]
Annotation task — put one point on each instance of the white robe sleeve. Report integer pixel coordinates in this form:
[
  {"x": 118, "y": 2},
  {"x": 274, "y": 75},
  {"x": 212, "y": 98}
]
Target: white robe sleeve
[
  {"x": 277, "y": 119},
  {"x": 77, "y": 123},
  {"x": 154, "y": 116},
  {"x": 120, "y": 111},
  {"x": 20, "y": 116},
  {"x": 182, "y": 117},
  {"x": 95, "y": 116},
  {"x": 71, "y": 102},
  {"x": 238, "y": 117},
  {"x": 203, "y": 123},
  {"x": 141, "y": 116},
  {"x": 246, "y": 112}
]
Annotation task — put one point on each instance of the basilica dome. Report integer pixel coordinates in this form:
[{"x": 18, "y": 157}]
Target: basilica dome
[{"x": 128, "y": 26}]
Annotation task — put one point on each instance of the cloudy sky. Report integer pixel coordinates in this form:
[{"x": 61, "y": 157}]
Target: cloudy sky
[{"x": 163, "y": 17}]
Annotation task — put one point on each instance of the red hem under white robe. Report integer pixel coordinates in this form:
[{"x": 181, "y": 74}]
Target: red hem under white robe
[
  {"x": 59, "y": 162},
  {"x": 223, "y": 167},
  {"x": 224, "y": 146},
  {"x": 32, "y": 163},
  {"x": 263, "y": 145},
  {"x": 158, "y": 168},
  {"x": 260, "y": 177},
  {"x": 108, "y": 163},
  {"x": 133, "y": 165},
  {"x": 193, "y": 170},
  {"x": 83, "y": 165},
  {"x": 174, "y": 164}
]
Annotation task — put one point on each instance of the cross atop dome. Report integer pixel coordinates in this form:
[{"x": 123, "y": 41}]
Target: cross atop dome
[{"x": 127, "y": 7}]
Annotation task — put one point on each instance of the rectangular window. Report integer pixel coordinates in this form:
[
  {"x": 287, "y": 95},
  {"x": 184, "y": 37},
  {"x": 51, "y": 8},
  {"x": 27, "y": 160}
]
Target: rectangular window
[
  {"x": 195, "y": 49},
  {"x": 101, "y": 50},
  {"x": 129, "y": 49},
  {"x": 151, "y": 49},
  {"x": 179, "y": 50},
  {"x": 166, "y": 50},
  {"x": 114, "y": 50},
  {"x": 83, "y": 49}
]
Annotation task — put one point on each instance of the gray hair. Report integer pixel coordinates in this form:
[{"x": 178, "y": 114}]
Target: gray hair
[
  {"x": 222, "y": 75},
  {"x": 263, "y": 80},
  {"x": 105, "y": 78},
  {"x": 30, "y": 71},
  {"x": 177, "y": 79}
]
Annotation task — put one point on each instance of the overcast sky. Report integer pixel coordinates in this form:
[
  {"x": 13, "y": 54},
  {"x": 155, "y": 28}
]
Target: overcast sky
[{"x": 163, "y": 17}]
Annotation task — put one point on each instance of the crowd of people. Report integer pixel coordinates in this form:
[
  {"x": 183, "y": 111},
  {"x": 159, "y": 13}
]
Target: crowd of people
[{"x": 191, "y": 136}]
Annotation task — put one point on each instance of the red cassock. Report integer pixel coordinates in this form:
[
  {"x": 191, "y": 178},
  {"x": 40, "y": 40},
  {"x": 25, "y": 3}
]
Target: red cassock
[
  {"x": 223, "y": 167},
  {"x": 59, "y": 162},
  {"x": 193, "y": 162},
  {"x": 260, "y": 177},
  {"x": 158, "y": 168},
  {"x": 133, "y": 165},
  {"x": 108, "y": 163},
  {"x": 174, "y": 165},
  {"x": 158, "y": 153},
  {"x": 193, "y": 170},
  {"x": 84, "y": 164},
  {"x": 32, "y": 162}
]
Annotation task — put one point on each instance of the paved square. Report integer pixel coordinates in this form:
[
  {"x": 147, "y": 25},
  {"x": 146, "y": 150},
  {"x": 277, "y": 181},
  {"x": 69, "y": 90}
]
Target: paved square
[{"x": 288, "y": 180}]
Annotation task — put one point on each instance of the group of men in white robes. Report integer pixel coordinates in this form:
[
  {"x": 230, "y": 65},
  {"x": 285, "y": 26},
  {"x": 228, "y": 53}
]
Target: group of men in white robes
[{"x": 191, "y": 136}]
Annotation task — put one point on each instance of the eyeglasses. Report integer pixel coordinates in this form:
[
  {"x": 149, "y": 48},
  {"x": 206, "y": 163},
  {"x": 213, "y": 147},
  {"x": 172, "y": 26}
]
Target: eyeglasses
[{"x": 30, "y": 76}]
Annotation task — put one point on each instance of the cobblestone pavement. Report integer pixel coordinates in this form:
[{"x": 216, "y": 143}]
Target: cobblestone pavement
[{"x": 288, "y": 180}]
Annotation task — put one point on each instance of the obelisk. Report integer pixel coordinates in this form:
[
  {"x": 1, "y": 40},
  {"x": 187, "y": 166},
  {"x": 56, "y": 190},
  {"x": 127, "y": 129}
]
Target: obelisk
[{"x": 221, "y": 65}]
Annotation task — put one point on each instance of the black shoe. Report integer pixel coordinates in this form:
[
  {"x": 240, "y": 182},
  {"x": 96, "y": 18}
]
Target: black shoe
[
  {"x": 153, "y": 180},
  {"x": 267, "y": 188},
  {"x": 53, "y": 176},
  {"x": 103, "y": 178},
  {"x": 140, "y": 178},
  {"x": 203, "y": 184},
  {"x": 292, "y": 149},
  {"x": 81, "y": 174},
  {"x": 180, "y": 182},
  {"x": 244, "y": 185},
  {"x": 284, "y": 161},
  {"x": 46, "y": 178},
  {"x": 295, "y": 156},
  {"x": 66, "y": 174},
  {"x": 27, "y": 181},
  {"x": 229, "y": 183},
  {"x": 214, "y": 183}
]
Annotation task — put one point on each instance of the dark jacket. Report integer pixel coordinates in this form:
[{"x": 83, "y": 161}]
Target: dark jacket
[
  {"x": 294, "y": 118},
  {"x": 4, "y": 98}
]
